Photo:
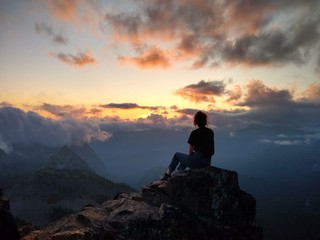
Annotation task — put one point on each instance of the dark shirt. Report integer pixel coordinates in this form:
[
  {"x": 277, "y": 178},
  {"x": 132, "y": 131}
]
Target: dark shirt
[{"x": 202, "y": 140}]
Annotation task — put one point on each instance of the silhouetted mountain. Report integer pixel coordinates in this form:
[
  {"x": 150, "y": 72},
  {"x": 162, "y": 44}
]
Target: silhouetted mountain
[
  {"x": 198, "y": 204},
  {"x": 86, "y": 153},
  {"x": 31, "y": 154},
  {"x": 64, "y": 185},
  {"x": 24, "y": 159},
  {"x": 50, "y": 192},
  {"x": 149, "y": 176},
  {"x": 66, "y": 159},
  {"x": 4, "y": 162},
  {"x": 4, "y": 159}
]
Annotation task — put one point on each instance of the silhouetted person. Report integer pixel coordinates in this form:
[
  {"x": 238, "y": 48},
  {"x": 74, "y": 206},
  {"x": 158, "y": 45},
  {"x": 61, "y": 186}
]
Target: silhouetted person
[{"x": 201, "y": 148}]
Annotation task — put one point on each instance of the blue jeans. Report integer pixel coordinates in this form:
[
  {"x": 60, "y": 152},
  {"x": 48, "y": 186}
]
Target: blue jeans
[{"x": 195, "y": 160}]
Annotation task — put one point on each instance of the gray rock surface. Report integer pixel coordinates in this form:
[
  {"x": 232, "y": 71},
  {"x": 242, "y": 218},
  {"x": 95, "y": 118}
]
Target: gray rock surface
[{"x": 197, "y": 204}]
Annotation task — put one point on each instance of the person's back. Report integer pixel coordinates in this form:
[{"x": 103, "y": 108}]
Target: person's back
[{"x": 202, "y": 141}]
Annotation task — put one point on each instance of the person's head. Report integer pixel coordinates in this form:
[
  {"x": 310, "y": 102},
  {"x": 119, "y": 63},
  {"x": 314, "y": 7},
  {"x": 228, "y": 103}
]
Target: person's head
[{"x": 200, "y": 119}]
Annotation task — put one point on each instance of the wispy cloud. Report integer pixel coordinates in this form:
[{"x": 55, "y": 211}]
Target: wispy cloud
[
  {"x": 79, "y": 60},
  {"x": 312, "y": 93},
  {"x": 64, "y": 110},
  {"x": 235, "y": 94},
  {"x": 48, "y": 30},
  {"x": 64, "y": 10},
  {"x": 202, "y": 91},
  {"x": 76, "y": 12},
  {"x": 212, "y": 32},
  {"x": 150, "y": 58},
  {"x": 128, "y": 106}
]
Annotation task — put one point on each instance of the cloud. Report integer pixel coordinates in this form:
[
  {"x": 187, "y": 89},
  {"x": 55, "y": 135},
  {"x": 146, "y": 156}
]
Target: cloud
[
  {"x": 298, "y": 137},
  {"x": 150, "y": 58},
  {"x": 79, "y": 60},
  {"x": 63, "y": 10},
  {"x": 5, "y": 146},
  {"x": 213, "y": 32},
  {"x": 318, "y": 65},
  {"x": 128, "y": 106},
  {"x": 259, "y": 94},
  {"x": 235, "y": 94},
  {"x": 154, "y": 119},
  {"x": 202, "y": 91},
  {"x": 269, "y": 106},
  {"x": 63, "y": 111},
  {"x": 76, "y": 12},
  {"x": 312, "y": 93},
  {"x": 275, "y": 47},
  {"x": 17, "y": 126},
  {"x": 56, "y": 38}
]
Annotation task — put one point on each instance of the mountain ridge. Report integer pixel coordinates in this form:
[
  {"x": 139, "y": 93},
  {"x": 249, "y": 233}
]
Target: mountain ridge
[{"x": 66, "y": 159}]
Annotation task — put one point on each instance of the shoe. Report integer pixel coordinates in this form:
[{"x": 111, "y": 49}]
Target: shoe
[{"x": 165, "y": 177}]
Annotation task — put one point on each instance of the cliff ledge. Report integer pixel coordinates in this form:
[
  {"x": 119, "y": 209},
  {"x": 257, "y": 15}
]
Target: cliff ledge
[{"x": 196, "y": 204}]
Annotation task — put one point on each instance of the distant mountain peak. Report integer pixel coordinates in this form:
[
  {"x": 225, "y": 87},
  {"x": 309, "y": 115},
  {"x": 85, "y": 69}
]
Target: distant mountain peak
[
  {"x": 66, "y": 159},
  {"x": 91, "y": 158}
]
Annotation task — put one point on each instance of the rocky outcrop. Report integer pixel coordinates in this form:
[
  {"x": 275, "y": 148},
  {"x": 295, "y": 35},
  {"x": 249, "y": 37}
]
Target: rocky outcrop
[
  {"x": 197, "y": 204},
  {"x": 8, "y": 227}
]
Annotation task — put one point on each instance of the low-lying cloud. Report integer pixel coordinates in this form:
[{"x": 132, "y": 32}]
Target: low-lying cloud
[
  {"x": 269, "y": 106},
  {"x": 18, "y": 126},
  {"x": 290, "y": 119}
]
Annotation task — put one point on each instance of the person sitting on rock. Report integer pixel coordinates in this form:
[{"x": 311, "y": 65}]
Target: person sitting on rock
[{"x": 201, "y": 148}]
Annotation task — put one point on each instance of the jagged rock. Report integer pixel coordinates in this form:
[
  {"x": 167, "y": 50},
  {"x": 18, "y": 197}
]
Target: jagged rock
[
  {"x": 8, "y": 227},
  {"x": 197, "y": 204}
]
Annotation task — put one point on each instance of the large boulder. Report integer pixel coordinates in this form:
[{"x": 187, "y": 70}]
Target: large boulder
[{"x": 196, "y": 204}]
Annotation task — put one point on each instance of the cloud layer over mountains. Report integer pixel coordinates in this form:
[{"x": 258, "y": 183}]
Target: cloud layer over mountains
[
  {"x": 254, "y": 103},
  {"x": 17, "y": 126}
]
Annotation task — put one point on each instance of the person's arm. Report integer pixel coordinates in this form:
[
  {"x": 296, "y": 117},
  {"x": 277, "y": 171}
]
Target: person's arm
[{"x": 190, "y": 149}]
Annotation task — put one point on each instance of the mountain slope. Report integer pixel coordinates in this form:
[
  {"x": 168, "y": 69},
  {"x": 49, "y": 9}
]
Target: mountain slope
[
  {"x": 63, "y": 186},
  {"x": 66, "y": 159},
  {"x": 50, "y": 193},
  {"x": 86, "y": 153}
]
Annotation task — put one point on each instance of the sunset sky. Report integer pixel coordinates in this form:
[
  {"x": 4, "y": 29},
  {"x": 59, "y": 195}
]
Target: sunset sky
[{"x": 154, "y": 61}]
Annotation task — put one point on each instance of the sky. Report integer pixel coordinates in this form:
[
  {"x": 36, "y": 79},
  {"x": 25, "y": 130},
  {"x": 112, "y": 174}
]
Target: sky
[{"x": 78, "y": 66}]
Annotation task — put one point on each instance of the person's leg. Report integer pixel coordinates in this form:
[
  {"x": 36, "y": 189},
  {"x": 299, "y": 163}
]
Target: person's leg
[
  {"x": 181, "y": 167},
  {"x": 181, "y": 158}
]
